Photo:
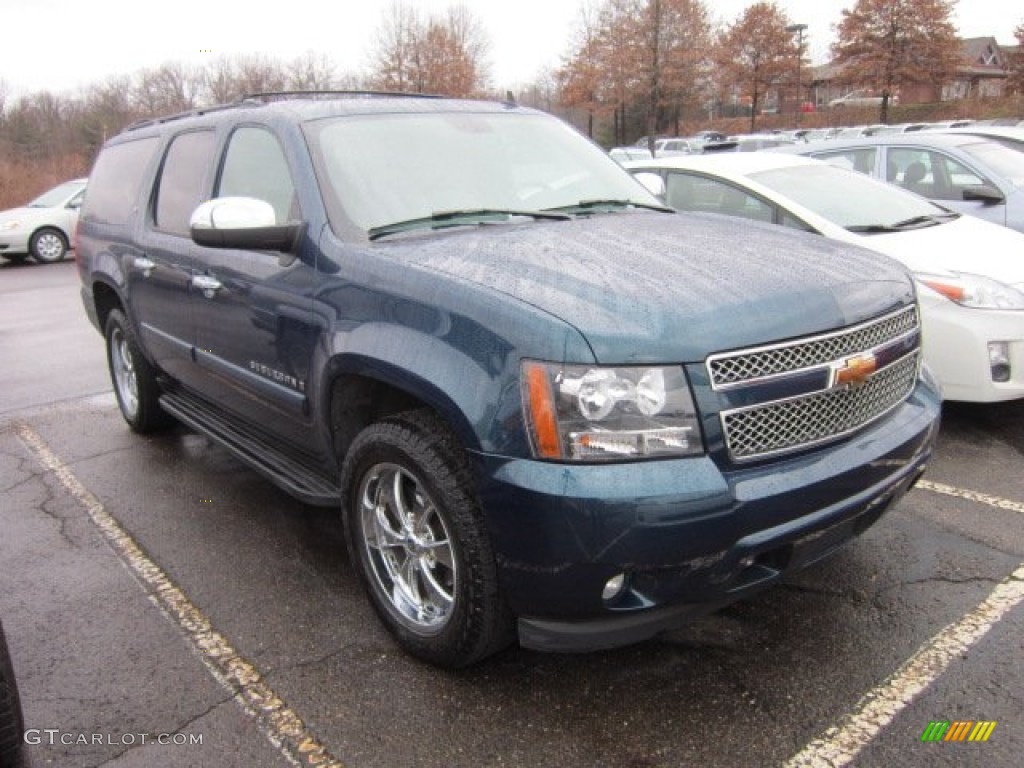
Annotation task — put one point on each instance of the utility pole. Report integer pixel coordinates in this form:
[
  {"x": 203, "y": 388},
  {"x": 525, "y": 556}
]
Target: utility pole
[{"x": 799, "y": 29}]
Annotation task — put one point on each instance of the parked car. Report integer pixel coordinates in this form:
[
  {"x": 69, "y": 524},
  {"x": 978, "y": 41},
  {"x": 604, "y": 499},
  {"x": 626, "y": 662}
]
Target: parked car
[
  {"x": 546, "y": 405},
  {"x": 748, "y": 143},
  {"x": 1007, "y": 136},
  {"x": 12, "y": 727},
  {"x": 970, "y": 272},
  {"x": 970, "y": 174},
  {"x": 43, "y": 228},
  {"x": 860, "y": 98}
]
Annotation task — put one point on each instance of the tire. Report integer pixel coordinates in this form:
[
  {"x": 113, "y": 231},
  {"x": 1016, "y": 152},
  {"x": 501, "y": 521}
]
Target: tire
[
  {"x": 48, "y": 246},
  {"x": 134, "y": 379},
  {"x": 12, "y": 727},
  {"x": 417, "y": 540}
]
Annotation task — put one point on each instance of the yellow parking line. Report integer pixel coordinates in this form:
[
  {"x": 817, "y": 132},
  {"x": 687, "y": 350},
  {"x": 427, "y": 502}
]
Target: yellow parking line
[
  {"x": 963, "y": 493},
  {"x": 275, "y": 719}
]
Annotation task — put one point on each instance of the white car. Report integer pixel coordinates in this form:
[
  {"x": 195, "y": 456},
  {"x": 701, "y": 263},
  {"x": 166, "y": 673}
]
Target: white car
[
  {"x": 970, "y": 272},
  {"x": 43, "y": 228},
  {"x": 860, "y": 99}
]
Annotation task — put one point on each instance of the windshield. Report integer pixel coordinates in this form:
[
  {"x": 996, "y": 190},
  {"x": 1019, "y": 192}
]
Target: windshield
[
  {"x": 845, "y": 197},
  {"x": 378, "y": 170},
  {"x": 1008, "y": 163},
  {"x": 57, "y": 195}
]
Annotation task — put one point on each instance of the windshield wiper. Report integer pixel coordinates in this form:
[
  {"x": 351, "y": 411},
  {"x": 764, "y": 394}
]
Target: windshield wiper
[
  {"x": 915, "y": 222},
  {"x": 587, "y": 206},
  {"x": 440, "y": 219}
]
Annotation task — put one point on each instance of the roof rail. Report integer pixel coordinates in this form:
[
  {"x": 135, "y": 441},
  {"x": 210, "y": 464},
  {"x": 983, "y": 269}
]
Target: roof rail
[
  {"x": 251, "y": 99},
  {"x": 180, "y": 115},
  {"x": 268, "y": 96}
]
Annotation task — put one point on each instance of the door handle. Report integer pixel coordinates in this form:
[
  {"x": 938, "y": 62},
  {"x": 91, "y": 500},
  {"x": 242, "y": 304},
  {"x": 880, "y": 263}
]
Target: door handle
[
  {"x": 146, "y": 264},
  {"x": 208, "y": 285}
]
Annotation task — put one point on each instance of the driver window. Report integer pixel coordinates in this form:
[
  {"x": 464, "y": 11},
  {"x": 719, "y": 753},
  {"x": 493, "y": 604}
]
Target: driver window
[{"x": 255, "y": 166}]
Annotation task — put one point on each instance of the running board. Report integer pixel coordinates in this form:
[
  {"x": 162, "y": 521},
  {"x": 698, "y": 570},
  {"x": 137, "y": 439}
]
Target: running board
[{"x": 285, "y": 472}]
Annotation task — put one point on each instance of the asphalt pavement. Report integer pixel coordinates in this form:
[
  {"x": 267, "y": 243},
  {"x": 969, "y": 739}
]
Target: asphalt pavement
[{"x": 166, "y": 606}]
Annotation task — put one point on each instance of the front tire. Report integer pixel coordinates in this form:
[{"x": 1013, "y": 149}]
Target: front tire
[
  {"x": 48, "y": 246},
  {"x": 417, "y": 540},
  {"x": 134, "y": 379}
]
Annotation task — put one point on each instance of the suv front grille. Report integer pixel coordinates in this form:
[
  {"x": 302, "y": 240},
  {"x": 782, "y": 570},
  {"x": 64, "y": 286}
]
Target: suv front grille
[
  {"x": 802, "y": 422},
  {"x": 734, "y": 368},
  {"x": 816, "y": 407}
]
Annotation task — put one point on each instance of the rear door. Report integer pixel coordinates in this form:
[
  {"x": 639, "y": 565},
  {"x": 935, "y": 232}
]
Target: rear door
[{"x": 160, "y": 275}]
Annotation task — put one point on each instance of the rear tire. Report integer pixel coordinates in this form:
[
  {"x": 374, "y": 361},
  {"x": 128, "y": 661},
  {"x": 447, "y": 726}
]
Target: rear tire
[
  {"x": 12, "y": 727},
  {"x": 417, "y": 540},
  {"x": 134, "y": 379}
]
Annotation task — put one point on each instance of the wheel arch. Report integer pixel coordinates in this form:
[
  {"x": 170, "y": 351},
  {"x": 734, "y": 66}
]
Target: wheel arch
[{"x": 360, "y": 391}]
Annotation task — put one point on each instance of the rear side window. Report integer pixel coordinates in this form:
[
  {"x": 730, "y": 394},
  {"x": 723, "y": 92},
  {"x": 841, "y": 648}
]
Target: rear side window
[
  {"x": 115, "y": 180},
  {"x": 182, "y": 181}
]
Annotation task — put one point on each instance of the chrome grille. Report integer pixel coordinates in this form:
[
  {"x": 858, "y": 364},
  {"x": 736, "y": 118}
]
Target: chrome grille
[
  {"x": 800, "y": 422},
  {"x": 733, "y": 368}
]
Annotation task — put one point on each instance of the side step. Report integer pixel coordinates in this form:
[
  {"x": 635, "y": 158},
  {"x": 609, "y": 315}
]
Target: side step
[{"x": 285, "y": 472}]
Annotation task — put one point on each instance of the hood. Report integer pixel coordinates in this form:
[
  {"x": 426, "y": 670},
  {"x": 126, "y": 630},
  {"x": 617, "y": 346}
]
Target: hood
[
  {"x": 655, "y": 287},
  {"x": 966, "y": 244}
]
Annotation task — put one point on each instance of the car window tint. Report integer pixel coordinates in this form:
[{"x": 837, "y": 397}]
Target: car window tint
[
  {"x": 685, "y": 192},
  {"x": 787, "y": 219},
  {"x": 862, "y": 159},
  {"x": 255, "y": 166},
  {"x": 181, "y": 186},
  {"x": 117, "y": 174}
]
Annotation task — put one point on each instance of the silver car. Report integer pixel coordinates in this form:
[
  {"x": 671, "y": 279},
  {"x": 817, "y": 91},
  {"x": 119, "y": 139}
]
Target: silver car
[
  {"x": 43, "y": 228},
  {"x": 970, "y": 174}
]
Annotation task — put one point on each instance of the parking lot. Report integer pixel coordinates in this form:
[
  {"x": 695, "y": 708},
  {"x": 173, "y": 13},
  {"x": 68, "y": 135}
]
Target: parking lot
[{"x": 167, "y": 606}]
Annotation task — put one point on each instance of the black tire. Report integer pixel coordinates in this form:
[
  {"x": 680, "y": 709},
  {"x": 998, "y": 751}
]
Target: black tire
[
  {"x": 434, "y": 584},
  {"x": 134, "y": 379},
  {"x": 48, "y": 245},
  {"x": 12, "y": 727}
]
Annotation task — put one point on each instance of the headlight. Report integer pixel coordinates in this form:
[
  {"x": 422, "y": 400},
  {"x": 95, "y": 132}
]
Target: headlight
[
  {"x": 975, "y": 291},
  {"x": 9, "y": 225},
  {"x": 596, "y": 413}
]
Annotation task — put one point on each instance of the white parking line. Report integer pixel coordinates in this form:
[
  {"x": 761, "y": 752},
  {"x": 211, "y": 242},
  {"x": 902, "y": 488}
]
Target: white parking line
[
  {"x": 963, "y": 493},
  {"x": 275, "y": 719}
]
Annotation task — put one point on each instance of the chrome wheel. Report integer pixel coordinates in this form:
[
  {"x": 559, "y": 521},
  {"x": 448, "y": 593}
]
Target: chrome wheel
[
  {"x": 123, "y": 368},
  {"x": 408, "y": 548}
]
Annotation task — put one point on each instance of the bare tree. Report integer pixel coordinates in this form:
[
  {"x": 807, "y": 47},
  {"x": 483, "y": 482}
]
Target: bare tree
[
  {"x": 886, "y": 44},
  {"x": 310, "y": 72},
  {"x": 395, "y": 52},
  {"x": 169, "y": 88},
  {"x": 1016, "y": 63}
]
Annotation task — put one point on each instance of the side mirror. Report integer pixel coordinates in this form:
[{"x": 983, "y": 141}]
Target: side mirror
[
  {"x": 652, "y": 182},
  {"x": 986, "y": 193},
  {"x": 243, "y": 222}
]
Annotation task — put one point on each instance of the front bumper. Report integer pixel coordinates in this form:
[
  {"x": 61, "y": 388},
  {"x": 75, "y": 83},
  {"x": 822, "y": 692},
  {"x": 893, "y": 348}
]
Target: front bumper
[
  {"x": 688, "y": 536},
  {"x": 956, "y": 343}
]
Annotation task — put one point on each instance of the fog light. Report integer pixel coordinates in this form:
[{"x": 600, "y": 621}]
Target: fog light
[
  {"x": 613, "y": 587},
  {"x": 999, "y": 360}
]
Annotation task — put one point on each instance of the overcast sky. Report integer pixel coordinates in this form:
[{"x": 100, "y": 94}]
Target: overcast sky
[{"x": 61, "y": 45}]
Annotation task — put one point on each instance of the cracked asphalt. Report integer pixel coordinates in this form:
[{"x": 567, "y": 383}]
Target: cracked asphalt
[{"x": 101, "y": 660}]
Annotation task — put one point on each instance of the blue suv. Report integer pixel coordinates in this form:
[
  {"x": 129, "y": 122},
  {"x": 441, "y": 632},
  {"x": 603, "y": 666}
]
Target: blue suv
[{"x": 547, "y": 407}]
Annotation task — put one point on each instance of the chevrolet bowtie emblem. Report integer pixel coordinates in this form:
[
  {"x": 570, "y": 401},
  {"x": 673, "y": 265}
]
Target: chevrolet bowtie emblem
[{"x": 854, "y": 371}]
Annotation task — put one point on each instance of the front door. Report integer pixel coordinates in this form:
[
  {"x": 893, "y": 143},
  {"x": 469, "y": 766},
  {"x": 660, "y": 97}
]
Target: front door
[{"x": 253, "y": 309}]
